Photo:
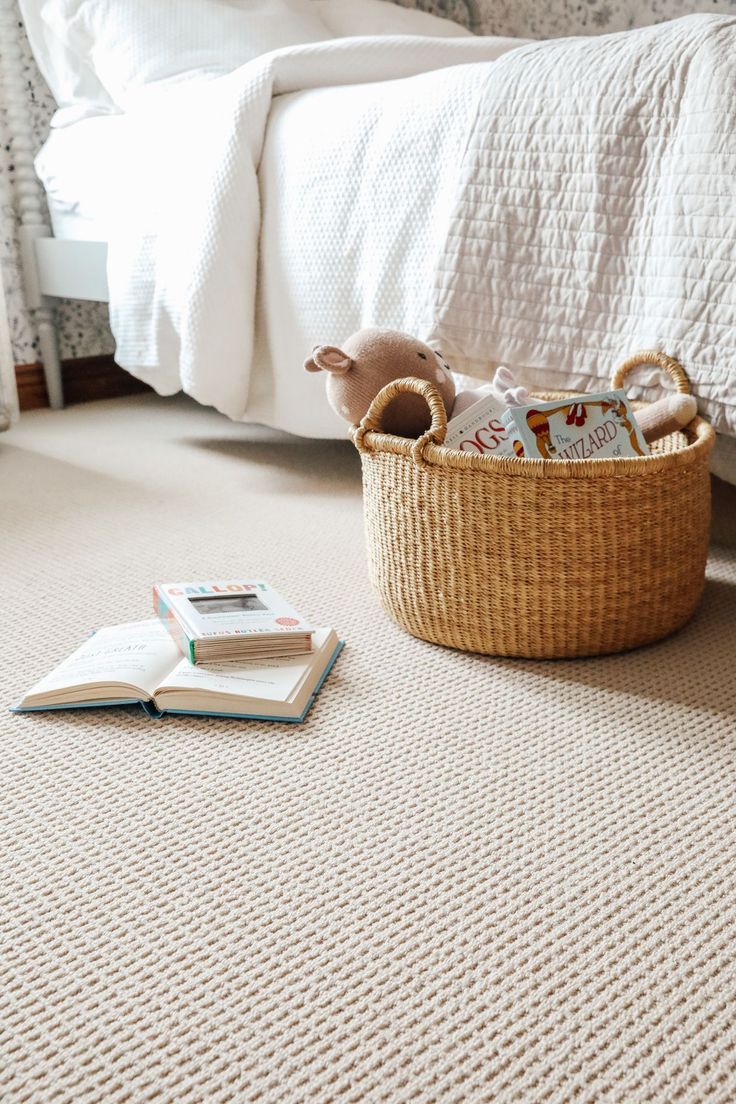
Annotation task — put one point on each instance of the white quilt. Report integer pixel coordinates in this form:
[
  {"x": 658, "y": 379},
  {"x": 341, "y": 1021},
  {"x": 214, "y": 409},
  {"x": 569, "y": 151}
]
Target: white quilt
[
  {"x": 596, "y": 212},
  {"x": 558, "y": 209},
  {"x": 351, "y": 240}
]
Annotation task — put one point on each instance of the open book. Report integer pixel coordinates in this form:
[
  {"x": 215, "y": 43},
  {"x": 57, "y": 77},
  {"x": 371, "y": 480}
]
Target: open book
[{"x": 139, "y": 662}]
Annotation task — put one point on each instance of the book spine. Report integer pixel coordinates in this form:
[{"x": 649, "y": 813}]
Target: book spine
[
  {"x": 173, "y": 626},
  {"x": 519, "y": 446}
]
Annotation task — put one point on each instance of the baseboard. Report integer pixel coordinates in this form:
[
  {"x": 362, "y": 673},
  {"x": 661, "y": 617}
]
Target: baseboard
[{"x": 85, "y": 379}]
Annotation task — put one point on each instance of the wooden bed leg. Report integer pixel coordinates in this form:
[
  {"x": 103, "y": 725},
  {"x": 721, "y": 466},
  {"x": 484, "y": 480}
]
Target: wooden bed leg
[{"x": 48, "y": 340}]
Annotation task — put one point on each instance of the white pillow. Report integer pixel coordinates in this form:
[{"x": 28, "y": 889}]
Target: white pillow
[
  {"x": 346, "y": 18},
  {"x": 73, "y": 85},
  {"x": 132, "y": 43}
]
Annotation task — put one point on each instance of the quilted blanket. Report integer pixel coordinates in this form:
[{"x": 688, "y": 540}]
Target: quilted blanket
[
  {"x": 183, "y": 265},
  {"x": 596, "y": 212}
]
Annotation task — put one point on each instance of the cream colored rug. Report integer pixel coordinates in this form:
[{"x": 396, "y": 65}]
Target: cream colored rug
[{"x": 461, "y": 880}]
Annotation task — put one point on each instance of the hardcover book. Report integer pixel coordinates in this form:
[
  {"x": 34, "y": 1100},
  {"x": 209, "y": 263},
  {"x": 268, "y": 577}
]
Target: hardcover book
[
  {"x": 139, "y": 662},
  {"x": 579, "y": 428},
  {"x": 233, "y": 619},
  {"x": 479, "y": 430}
]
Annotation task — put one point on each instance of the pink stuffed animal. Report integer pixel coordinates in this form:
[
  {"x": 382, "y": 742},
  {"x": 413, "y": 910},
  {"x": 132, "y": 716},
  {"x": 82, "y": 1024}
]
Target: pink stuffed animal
[{"x": 369, "y": 360}]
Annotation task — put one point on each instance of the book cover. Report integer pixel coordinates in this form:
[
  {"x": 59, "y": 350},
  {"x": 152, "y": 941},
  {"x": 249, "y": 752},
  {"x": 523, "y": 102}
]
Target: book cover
[
  {"x": 479, "y": 430},
  {"x": 232, "y": 610},
  {"x": 582, "y": 427}
]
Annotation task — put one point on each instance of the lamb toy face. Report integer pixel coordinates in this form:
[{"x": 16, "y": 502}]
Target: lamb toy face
[{"x": 369, "y": 360}]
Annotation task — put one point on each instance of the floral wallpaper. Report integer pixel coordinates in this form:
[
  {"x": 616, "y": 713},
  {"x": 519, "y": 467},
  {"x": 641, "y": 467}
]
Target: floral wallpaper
[
  {"x": 558, "y": 18},
  {"x": 83, "y": 326}
]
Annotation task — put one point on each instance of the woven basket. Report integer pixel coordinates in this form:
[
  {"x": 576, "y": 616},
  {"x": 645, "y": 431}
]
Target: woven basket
[{"x": 536, "y": 558}]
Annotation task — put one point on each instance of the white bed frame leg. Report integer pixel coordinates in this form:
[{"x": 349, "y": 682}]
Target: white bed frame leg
[
  {"x": 44, "y": 314},
  {"x": 50, "y": 358}
]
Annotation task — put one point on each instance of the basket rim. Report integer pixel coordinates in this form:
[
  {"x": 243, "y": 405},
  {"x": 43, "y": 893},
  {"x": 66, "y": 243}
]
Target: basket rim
[{"x": 700, "y": 433}]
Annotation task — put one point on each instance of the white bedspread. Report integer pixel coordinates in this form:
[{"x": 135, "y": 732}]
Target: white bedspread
[
  {"x": 596, "y": 212},
  {"x": 558, "y": 209},
  {"x": 357, "y": 245}
]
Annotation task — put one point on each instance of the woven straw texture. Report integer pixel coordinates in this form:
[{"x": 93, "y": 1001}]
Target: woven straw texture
[
  {"x": 462, "y": 879},
  {"x": 535, "y": 558}
]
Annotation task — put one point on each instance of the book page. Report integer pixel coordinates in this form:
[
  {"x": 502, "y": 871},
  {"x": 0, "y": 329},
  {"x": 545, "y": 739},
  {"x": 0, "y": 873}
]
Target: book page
[
  {"x": 139, "y": 653},
  {"x": 275, "y": 680}
]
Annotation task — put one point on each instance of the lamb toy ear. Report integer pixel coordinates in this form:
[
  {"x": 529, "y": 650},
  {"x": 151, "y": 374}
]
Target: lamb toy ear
[{"x": 328, "y": 358}]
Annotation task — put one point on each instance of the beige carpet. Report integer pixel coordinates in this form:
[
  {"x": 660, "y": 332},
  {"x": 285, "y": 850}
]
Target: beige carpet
[{"x": 461, "y": 880}]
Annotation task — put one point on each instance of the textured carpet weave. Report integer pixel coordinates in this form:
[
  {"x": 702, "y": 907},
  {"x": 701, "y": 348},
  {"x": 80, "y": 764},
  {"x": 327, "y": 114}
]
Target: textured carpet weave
[{"x": 461, "y": 879}]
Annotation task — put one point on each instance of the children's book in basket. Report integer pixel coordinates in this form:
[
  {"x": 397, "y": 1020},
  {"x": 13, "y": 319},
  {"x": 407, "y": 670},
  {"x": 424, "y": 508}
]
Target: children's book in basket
[
  {"x": 479, "y": 430},
  {"x": 584, "y": 427},
  {"x": 230, "y": 619}
]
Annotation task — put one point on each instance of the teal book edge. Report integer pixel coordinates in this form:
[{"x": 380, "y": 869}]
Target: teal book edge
[
  {"x": 157, "y": 714},
  {"x": 173, "y": 626}
]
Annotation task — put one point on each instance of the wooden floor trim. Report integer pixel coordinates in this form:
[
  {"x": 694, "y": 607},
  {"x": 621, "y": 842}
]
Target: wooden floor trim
[{"x": 85, "y": 379}]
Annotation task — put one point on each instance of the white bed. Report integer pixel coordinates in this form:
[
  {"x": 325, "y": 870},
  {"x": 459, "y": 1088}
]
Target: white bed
[
  {"x": 383, "y": 220},
  {"x": 77, "y": 166},
  {"x": 391, "y": 215},
  {"x": 526, "y": 211}
]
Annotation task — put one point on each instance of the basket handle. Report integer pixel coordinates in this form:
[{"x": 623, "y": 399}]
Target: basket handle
[
  {"x": 435, "y": 435},
  {"x": 668, "y": 365}
]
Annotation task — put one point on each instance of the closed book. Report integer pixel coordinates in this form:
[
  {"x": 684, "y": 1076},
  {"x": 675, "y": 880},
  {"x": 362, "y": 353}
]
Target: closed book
[
  {"x": 583, "y": 427},
  {"x": 230, "y": 619},
  {"x": 479, "y": 430}
]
